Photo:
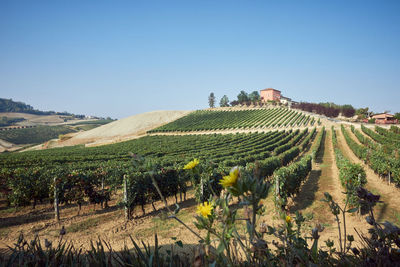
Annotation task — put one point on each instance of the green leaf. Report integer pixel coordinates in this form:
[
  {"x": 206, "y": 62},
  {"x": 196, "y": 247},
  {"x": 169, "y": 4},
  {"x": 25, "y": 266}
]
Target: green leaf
[
  {"x": 352, "y": 210},
  {"x": 221, "y": 248}
]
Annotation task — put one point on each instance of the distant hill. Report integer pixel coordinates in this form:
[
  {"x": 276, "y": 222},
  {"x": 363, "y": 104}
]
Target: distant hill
[{"x": 9, "y": 105}]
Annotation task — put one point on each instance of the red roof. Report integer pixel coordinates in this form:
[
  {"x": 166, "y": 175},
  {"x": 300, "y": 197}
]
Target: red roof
[
  {"x": 270, "y": 89},
  {"x": 382, "y": 116}
]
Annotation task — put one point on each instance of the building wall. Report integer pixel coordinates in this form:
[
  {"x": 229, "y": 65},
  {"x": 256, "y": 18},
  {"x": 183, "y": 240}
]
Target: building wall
[{"x": 270, "y": 95}]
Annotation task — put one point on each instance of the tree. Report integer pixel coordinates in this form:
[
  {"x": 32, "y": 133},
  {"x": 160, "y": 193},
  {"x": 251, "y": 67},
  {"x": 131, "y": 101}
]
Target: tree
[
  {"x": 211, "y": 100},
  {"x": 362, "y": 113},
  {"x": 224, "y": 102},
  {"x": 234, "y": 103},
  {"x": 397, "y": 115},
  {"x": 242, "y": 97},
  {"x": 254, "y": 96}
]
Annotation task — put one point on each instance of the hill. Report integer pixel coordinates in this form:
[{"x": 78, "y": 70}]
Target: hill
[
  {"x": 243, "y": 119},
  {"x": 9, "y": 105},
  {"x": 123, "y": 129},
  {"x": 34, "y": 135}
]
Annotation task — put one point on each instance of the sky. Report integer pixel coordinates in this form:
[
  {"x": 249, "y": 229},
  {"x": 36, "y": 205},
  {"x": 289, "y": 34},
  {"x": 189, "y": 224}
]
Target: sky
[{"x": 121, "y": 58}]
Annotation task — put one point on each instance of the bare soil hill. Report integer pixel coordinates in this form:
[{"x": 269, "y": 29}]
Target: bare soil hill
[
  {"x": 32, "y": 119},
  {"x": 7, "y": 146},
  {"x": 123, "y": 129}
]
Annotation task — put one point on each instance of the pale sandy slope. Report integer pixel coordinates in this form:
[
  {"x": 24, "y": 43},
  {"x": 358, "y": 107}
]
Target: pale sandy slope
[
  {"x": 123, "y": 129},
  {"x": 32, "y": 119},
  {"x": 7, "y": 146}
]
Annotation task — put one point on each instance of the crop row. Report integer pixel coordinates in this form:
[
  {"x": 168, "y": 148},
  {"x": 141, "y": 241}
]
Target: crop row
[
  {"x": 395, "y": 129},
  {"x": 380, "y": 136},
  {"x": 351, "y": 175},
  {"x": 202, "y": 120},
  {"x": 382, "y": 160},
  {"x": 93, "y": 174},
  {"x": 389, "y": 135},
  {"x": 288, "y": 179}
]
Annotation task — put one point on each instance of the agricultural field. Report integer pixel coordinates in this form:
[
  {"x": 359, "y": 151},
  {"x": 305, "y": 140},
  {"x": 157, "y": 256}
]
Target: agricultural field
[
  {"x": 131, "y": 187},
  {"x": 206, "y": 120},
  {"x": 34, "y": 135}
]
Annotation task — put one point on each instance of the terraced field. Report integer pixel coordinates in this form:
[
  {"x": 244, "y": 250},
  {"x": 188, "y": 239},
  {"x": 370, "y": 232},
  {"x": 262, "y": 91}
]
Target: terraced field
[{"x": 208, "y": 120}]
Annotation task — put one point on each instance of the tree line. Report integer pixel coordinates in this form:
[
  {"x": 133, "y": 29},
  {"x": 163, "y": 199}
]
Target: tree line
[
  {"x": 328, "y": 109},
  {"x": 243, "y": 98},
  {"x": 8, "y": 105}
]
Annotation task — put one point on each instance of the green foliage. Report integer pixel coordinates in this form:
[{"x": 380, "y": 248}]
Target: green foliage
[
  {"x": 81, "y": 171},
  {"x": 5, "y": 121},
  {"x": 224, "y": 102},
  {"x": 8, "y": 105},
  {"x": 381, "y": 154},
  {"x": 318, "y": 143},
  {"x": 34, "y": 135},
  {"x": 395, "y": 129},
  {"x": 203, "y": 120},
  {"x": 351, "y": 175},
  {"x": 242, "y": 97},
  {"x": 254, "y": 96},
  {"x": 211, "y": 100},
  {"x": 95, "y": 122},
  {"x": 289, "y": 179},
  {"x": 235, "y": 247}
]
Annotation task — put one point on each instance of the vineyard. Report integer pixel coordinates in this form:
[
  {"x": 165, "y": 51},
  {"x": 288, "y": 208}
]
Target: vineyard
[
  {"x": 137, "y": 176},
  {"x": 35, "y": 135},
  {"x": 94, "y": 173},
  {"x": 206, "y": 120},
  {"x": 377, "y": 151}
]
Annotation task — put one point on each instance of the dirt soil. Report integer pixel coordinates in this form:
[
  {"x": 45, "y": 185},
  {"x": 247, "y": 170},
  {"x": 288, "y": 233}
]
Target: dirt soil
[
  {"x": 324, "y": 177},
  {"x": 32, "y": 119},
  {"x": 7, "y": 146},
  {"x": 94, "y": 222}
]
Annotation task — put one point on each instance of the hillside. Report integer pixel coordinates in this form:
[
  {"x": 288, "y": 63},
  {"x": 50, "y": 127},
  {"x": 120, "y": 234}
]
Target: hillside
[
  {"x": 237, "y": 120},
  {"x": 9, "y": 105},
  {"x": 17, "y": 114},
  {"x": 34, "y": 135},
  {"x": 123, "y": 129}
]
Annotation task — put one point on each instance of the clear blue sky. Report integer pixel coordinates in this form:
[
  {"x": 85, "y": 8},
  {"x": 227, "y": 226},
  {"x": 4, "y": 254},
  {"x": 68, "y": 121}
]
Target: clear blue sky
[{"x": 119, "y": 58}]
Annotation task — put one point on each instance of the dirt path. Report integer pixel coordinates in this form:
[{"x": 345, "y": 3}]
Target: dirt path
[
  {"x": 324, "y": 177},
  {"x": 390, "y": 209}
]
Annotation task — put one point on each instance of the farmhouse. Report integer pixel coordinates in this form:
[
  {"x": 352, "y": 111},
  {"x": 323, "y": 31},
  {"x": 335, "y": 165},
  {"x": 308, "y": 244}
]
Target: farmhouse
[
  {"x": 286, "y": 100},
  {"x": 385, "y": 118},
  {"x": 270, "y": 94}
]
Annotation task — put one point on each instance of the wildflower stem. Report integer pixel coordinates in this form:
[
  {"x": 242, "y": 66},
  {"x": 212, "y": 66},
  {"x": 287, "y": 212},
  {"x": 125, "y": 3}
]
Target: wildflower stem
[
  {"x": 159, "y": 192},
  {"x": 176, "y": 218}
]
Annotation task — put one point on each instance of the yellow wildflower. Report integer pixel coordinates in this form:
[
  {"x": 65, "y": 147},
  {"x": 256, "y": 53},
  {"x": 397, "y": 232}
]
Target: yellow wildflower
[
  {"x": 288, "y": 219},
  {"x": 204, "y": 209},
  {"x": 230, "y": 179},
  {"x": 191, "y": 164}
]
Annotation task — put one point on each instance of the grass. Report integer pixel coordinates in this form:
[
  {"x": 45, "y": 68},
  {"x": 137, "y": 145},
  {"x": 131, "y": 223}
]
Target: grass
[
  {"x": 84, "y": 225},
  {"x": 8, "y": 210},
  {"x": 98, "y": 122},
  {"x": 397, "y": 216},
  {"x": 86, "y": 127},
  {"x": 163, "y": 226}
]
